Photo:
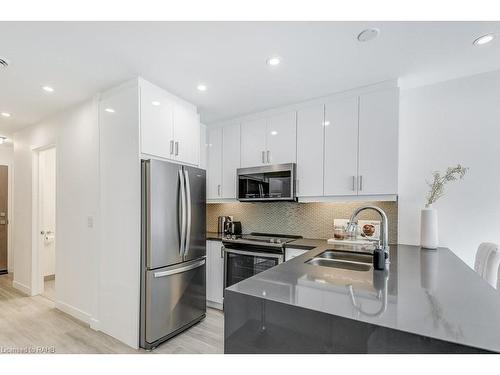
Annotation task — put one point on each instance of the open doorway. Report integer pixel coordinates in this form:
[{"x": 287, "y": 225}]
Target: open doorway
[{"x": 45, "y": 218}]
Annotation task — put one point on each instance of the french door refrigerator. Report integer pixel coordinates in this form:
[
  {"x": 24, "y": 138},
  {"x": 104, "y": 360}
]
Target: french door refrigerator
[{"x": 173, "y": 289}]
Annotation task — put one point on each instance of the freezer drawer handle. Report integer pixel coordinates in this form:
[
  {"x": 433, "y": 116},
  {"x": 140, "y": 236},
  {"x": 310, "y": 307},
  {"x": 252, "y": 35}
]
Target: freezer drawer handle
[{"x": 189, "y": 267}]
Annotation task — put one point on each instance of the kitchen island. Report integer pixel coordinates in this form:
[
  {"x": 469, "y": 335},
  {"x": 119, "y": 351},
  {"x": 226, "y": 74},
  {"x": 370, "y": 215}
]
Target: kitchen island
[{"x": 427, "y": 301}]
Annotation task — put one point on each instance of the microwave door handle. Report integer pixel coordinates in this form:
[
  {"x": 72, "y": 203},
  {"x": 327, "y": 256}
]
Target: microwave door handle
[
  {"x": 188, "y": 209},
  {"x": 182, "y": 216}
]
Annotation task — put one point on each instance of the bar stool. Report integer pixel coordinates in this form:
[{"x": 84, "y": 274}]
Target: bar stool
[{"x": 487, "y": 263}]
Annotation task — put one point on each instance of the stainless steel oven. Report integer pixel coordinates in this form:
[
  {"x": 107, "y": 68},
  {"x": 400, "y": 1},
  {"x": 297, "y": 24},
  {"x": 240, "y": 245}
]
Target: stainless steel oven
[
  {"x": 248, "y": 255},
  {"x": 267, "y": 183},
  {"x": 240, "y": 263}
]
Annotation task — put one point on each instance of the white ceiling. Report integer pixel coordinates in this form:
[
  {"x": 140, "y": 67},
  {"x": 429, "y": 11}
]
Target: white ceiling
[{"x": 80, "y": 59}]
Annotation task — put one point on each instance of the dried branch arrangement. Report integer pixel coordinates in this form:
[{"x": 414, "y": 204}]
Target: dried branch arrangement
[{"x": 439, "y": 181}]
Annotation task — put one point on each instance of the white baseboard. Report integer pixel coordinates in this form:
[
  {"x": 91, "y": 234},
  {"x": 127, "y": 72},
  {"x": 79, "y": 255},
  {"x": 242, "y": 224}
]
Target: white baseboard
[
  {"x": 21, "y": 287},
  {"x": 94, "y": 324},
  {"x": 73, "y": 311},
  {"x": 215, "y": 305}
]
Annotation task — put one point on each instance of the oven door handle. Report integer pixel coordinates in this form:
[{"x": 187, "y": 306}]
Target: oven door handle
[{"x": 253, "y": 253}]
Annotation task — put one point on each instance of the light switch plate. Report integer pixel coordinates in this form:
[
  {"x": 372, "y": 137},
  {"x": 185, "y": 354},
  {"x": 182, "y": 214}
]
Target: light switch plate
[{"x": 90, "y": 222}]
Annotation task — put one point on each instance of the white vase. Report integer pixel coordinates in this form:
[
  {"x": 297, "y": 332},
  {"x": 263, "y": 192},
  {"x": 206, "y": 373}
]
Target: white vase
[{"x": 429, "y": 228}]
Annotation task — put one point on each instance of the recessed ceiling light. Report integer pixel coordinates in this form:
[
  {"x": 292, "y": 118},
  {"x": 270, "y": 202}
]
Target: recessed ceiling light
[
  {"x": 273, "y": 61},
  {"x": 5, "y": 114},
  {"x": 155, "y": 103},
  {"x": 368, "y": 34},
  {"x": 485, "y": 39},
  {"x": 326, "y": 123},
  {"x": 201, "y": 87},
  {"x": 47, "y": 89},
  {"x": 110, "y": 110},
  {"x": 274, "y": 132}
]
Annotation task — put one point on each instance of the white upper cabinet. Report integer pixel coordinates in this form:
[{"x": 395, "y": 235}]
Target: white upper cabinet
[
  {"x": 310, "y": 133},
  {"x": 186, "y": 134},
  {"x": 157, "y": 122},
  {"x": 281, "y": 138},
  {"x": 169, "y": 126},
  {"x": 253, "y": 143},
  {"x": 214, "y": 163},
  {"x": 341, "y": 147},
  {"x": 271, "y": 140},
  {"x": 230, "y": 159},
  {"x": 378, "y": 142}
]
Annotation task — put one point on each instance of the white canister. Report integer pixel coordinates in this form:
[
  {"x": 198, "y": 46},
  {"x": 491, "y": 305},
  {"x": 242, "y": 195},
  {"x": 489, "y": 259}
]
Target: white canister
[{"x": 429, "y": 228}]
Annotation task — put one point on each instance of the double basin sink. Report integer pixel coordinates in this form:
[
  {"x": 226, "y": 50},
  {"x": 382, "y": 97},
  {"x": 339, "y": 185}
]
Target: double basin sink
[{"x": 347, "y": 260}]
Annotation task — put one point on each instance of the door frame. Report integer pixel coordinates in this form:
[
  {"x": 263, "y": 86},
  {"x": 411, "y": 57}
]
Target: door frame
[
  {"x": 10, "y": 210},
  {"x": 37, "y": 281}
]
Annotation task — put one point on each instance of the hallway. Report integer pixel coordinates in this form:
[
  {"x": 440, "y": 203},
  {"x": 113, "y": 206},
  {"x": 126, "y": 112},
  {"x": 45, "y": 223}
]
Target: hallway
[{"x": 33, "y": 322}]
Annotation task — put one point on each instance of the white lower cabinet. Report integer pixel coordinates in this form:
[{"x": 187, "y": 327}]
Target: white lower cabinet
[
  {"x": 214, "y": 163},
  {"x": 215, "y": 274}
]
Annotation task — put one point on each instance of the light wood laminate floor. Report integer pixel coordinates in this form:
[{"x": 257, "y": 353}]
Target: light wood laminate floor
[{"x": 30, "y": 322}]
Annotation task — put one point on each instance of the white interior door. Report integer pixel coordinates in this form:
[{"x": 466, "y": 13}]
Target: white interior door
[
  {"x": 378, "y": 142},
  {"x": 253, "y": 143},
  {"x": 282, "y": 138},
  {"x": 310, "y": 136},
  {"x": 47, "y": 212},
  {"x": 341, "y": 147}
]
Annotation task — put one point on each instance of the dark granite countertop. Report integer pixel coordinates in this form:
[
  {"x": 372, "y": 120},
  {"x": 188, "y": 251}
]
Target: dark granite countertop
[
  {"x": 214, "y": 236},
  {"x": 306, "y": 243},
  {"x": 426, "y": 292}
]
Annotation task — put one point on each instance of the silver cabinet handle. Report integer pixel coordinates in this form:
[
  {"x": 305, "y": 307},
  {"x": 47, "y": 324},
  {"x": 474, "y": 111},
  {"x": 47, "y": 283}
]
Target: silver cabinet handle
[
  {"x": 268, "y": 158},
  {"x": 360, "y": 183},
  {"x": 218, "y": 190},
  {"x": 353, "y": 183},
  {"x": 180, "y": 269},
  {"x": 176, "y": 148},
  {"x": 222, "y": 251},
  {"x": 171, "y": 147},
  {"x": 188, "y": 209},
  {"x": 182, "y": 213},
  {"x": 263, "y": 157}
]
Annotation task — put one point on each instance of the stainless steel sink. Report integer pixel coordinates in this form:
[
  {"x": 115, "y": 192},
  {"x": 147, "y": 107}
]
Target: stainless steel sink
[{"x": 354, "y": 261}]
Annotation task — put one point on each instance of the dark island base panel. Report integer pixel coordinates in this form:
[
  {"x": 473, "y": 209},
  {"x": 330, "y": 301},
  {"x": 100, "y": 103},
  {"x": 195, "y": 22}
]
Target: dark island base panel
[{"x": 256, "y": 326}]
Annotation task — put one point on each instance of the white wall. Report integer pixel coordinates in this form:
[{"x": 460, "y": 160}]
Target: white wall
[
  {"x": 6, "y": 158},
  {"x": 452, "y": 122},
  {"x": 75, "y": 135}
]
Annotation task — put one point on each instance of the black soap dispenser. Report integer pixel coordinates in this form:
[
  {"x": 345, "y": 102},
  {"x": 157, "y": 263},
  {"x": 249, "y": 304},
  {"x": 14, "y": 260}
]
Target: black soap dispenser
[{"x": 379, "y": 259}]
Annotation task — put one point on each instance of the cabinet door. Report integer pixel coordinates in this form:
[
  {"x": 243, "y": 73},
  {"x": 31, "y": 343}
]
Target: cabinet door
[
  {"x": 310, "y": 133},
  {"x": 378, "y": 142},
  {"x": 214, "y": 165},
  {"x": 203, "y": 146},
  {"x": 156, "y": 122},
  {"x": 215, "y": 269},
  {"x": 341, "y": 146},
  {"x": 253, "y": 143},
  {"x": 282, "y": 138},
  {"x": 230, "y": 159},
  {"x": 186, "y": 134}
]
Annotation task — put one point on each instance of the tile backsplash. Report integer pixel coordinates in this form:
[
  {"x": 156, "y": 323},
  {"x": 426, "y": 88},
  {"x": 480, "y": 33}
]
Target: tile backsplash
[{"x": 310, "y": 220}]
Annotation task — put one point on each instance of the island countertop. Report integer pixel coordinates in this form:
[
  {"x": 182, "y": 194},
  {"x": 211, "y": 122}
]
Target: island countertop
[{"x": 431, "y": 293}]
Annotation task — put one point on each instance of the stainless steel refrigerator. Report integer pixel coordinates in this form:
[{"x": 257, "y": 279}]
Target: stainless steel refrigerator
[{"x": 173, "y": 288}]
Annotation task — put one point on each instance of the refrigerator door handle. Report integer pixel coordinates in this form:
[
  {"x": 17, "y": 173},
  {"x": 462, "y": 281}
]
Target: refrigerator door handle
[
  {"x": 189, "y": 267},
  {"x": 188, "y": 209},
  {"x": 182, "y": 218}
]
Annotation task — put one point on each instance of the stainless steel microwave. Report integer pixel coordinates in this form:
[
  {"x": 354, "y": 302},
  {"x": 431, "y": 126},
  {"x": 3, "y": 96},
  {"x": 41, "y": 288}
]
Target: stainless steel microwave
[{"x": 267, "y": 183}]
